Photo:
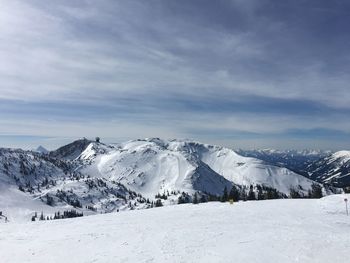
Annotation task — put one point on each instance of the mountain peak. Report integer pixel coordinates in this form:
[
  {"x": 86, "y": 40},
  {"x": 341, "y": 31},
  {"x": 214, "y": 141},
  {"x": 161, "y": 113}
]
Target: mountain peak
[
  {"x": 72, "y": 150},
  {"x": 341, "y": 154},
  {"x": 41, "y": 149}
]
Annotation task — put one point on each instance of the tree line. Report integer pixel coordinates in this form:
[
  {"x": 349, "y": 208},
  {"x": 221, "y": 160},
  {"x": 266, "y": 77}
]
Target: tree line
[
  {"x": 58, "y": 215},
  {"x": 243, "y": 193}
]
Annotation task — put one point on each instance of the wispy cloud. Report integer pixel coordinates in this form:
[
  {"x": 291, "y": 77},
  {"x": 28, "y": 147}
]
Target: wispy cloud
[{"x": 126, "y": 69}]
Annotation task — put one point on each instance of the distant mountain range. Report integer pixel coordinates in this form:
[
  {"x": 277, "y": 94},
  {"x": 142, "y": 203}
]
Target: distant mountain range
[
  {"x": 95, "y": 177},
  {"x": 333, "y": 169},
  {"x": 294, "y": 160},
  {"x": 325, "y": 167}
]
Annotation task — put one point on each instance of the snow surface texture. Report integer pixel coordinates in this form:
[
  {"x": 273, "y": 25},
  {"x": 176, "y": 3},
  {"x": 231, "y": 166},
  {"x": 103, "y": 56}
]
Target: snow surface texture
[{"x": 289, "y": 230}]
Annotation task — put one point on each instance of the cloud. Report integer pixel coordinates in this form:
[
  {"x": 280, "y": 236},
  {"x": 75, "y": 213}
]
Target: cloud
[{"x": 163, "y": 68}]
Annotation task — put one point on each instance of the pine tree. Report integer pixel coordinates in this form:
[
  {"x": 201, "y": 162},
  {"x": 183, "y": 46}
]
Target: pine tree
[
  {"x": 224, "y": 197},
  {"x": 203, "y": 199},
  {"x": 195, "y": 199},
  {"x": 251, "y": 194},
  {"x": 42, "y": 216},
  {"x": 316, "y": 191},
  {"x": 234, "y": 194},
  {"x": 271, "y": 193},
  {"x": 158, "y": 203},
  {"x": 49, "y": 200},
  {"x": 294, "y": 193},
  {"x": 243, "y": 194},
  {"x": 260, "y": 192}
]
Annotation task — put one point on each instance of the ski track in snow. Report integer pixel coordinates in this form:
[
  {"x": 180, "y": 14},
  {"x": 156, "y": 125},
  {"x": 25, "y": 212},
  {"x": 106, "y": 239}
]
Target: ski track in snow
[{"x": 258, "y": 231}]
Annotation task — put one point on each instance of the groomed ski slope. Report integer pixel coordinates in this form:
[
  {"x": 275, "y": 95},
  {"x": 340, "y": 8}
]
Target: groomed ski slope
[{"x": 257, "y": 231}]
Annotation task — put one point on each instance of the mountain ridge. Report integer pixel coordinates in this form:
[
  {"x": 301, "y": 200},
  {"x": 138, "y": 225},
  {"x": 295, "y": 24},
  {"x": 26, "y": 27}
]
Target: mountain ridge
[
  {"x": 333, "y": 169},
  {"x": 95, "y": 177}
]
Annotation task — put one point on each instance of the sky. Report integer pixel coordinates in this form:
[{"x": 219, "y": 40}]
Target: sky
[{"x": 238, "y": 73}]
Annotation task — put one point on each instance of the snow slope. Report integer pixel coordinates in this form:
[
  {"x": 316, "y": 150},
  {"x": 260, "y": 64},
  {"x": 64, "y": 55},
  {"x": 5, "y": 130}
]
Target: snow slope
[
  {"x": 18, "y": 206},
  {"x": 152, "y": 166},
  {"x": 245, "y": 171},
  {"x": 333, "y": 169},
  {"x": 72, "y": 150},
  {"x": 33, "y": 182},
  {"x": 259, "y": 231}
]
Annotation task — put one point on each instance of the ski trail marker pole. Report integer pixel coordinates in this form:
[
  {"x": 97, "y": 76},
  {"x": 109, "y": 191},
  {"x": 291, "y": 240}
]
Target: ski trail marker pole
[{"x": 346, "y": 206}]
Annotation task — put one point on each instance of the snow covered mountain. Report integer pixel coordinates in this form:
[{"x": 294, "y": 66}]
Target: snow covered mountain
[
  {"x": 320, "y": 166},
  {"x": 31, "y": 181},
  {"x": 41, "y": 149},
  {"x": 71, "y": 151},
  {"x": 94, "y": 177},
  {"x": 28, "y": 168},
  {"x": 333, "y": 169},
  {"x": 152, "y": 165},
  {"x": 295, "y": 160}
]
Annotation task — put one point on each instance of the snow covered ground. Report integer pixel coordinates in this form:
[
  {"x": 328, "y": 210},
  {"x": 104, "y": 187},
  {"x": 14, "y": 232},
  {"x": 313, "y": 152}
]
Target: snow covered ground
[{"x": 288, "y": 230}]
